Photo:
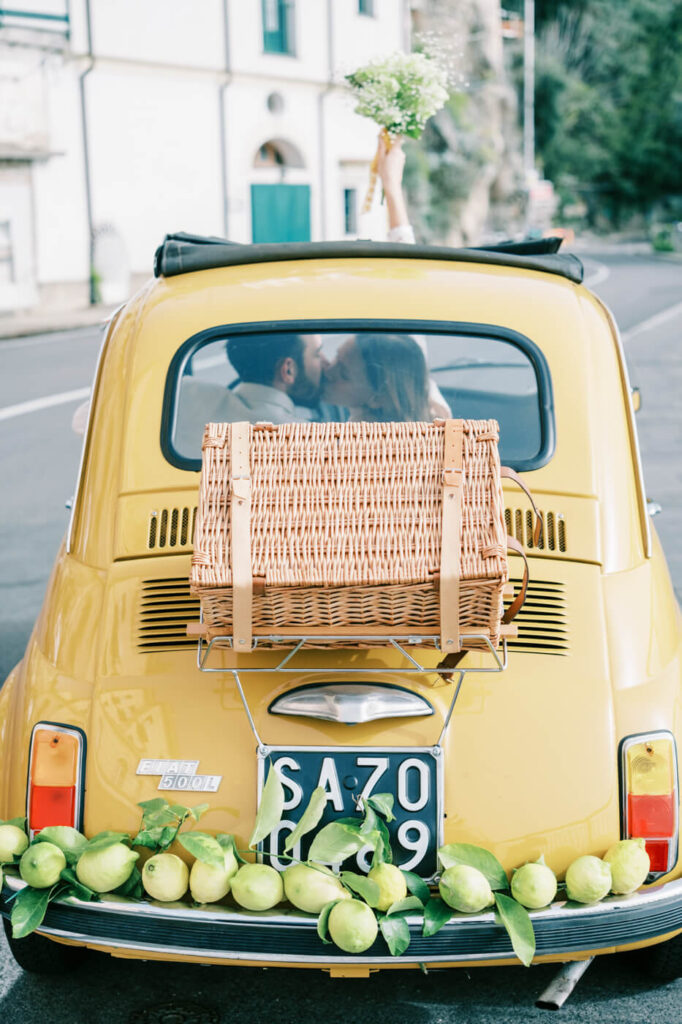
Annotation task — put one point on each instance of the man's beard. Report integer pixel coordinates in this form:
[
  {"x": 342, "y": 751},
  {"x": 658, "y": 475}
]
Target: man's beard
[{"x": 304, "y": 392}]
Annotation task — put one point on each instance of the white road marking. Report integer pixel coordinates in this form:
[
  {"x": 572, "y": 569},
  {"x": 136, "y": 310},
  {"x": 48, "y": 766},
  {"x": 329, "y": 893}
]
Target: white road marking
[
  {"x": 600, "y": 275},
  {"x": 654, "y": 321},
  {"x": 36, "y": 404},
  {"x": 53, "y": 337}
]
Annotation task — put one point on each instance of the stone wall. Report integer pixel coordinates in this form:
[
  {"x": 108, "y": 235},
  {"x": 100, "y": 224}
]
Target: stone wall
[{"x": 472, "y": 150}]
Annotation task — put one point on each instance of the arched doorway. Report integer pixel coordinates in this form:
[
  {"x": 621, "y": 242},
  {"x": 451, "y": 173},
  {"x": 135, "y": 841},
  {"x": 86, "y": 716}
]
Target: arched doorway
[{"x": 280, "y": 210}]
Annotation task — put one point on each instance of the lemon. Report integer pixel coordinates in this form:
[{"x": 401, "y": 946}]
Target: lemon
[
  {"x": 104, "y": 870},
  {"x": 391, "y": 882},
  {"x": 352, "y": 926},
  {"x": 208, "y": 883},
  {"x": 165, "y": 877},
  {"x": 69, "y": 840},
  {"x": 534, "y": 886},
  {"x": 629, "y": 864},
  {"x": 310, "y": 888},
  {"x": 465, "y": 889},
  {"x": 588, "y": 879},
  {"x": 257, "y": 887},
  {"x": 13, "y": 842},
  {"x": 41, "y": 865}
]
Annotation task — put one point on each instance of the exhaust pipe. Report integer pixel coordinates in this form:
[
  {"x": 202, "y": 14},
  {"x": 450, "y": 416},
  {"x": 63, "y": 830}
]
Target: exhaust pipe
[{"x": 563, "y": 983}]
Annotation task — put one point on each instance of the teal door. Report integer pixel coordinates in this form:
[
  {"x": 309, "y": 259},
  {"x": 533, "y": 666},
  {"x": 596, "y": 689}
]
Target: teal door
[{"x": 280, "y": 213}]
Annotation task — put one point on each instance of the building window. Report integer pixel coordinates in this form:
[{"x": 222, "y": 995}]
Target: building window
[
  {"x": 269, "y": 156},
  {"x": 366, "y": 7},
  {"x": 350, "y": 211},
  {"x": 278, "y": 26}
]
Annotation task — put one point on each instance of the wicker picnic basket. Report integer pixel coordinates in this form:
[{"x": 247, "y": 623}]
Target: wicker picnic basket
[{"x": 334, "y": 530}]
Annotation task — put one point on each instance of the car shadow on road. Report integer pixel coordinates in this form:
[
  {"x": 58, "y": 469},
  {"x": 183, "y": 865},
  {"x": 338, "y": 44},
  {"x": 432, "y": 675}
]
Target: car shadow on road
[{"x": 135, "y": 992}]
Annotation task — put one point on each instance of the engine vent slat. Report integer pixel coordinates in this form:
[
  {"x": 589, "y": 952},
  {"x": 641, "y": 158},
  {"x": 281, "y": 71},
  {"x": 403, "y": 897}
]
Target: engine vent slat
[
  {"x": 521, "y": 522},
  {"x": 174, "y": 528},
  {"x": 165, "y": 607},
  {"x": 171, "y": 528}
]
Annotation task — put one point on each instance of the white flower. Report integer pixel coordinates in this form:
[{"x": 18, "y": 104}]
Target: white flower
[{"x": 401, "y": 92}]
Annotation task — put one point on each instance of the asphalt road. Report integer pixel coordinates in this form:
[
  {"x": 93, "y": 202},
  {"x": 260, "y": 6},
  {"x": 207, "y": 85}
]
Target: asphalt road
[{"x": 39, "y": 459}]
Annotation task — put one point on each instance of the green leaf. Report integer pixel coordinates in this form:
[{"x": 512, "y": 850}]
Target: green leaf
[
  {"x": 153, "y": 805},
  {"x": 382, "y": 849},
  {"x": 354, "y": 824},
  {"x": 383, "y": 803},
  {"x": 148, "y": 837},
  {"x": 516, "y": 920},
  {"x": 475, "y": 857},
  {"x": 362, "y": 885},
  {"x": 270, "y": 810},
  {"x": 334, "y": 843},
  {"x": 204, "y": 847},
  {"x": 405, "y": 905},
  {"x": 436, "y": 914},
  {"x": 417, "y": 886},
  {"x": 158, "y": 812},
  {"x": 76, "y": 887},
  {"x": 396, "y": 933},
  {"x": 132, "y": 887},
  {"x": 18, "y": 822},
  {"x": 29, "y": 911},
  {"x": 197, "y": 811},
  {"x": 227, "y": 842},
  {"x": 157, "y": 819},
  {"x": 309, "y": 819},
  {"x": 104, "y": 839},
  {"x": 370, "y": 821},
  {"x": 323, "y": 919},
  {"x": 55, "y": 834},
  {"x": 156, "y": 838}
]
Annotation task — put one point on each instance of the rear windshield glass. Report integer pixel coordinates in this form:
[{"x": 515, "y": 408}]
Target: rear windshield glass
[{"x": 378, "y": 375}]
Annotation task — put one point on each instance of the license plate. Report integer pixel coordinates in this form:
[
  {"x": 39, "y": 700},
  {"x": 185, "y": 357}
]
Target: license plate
[{"x": 412, "y": 776}]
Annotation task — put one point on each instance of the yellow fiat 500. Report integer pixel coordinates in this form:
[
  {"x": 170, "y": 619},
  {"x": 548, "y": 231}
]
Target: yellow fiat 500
[{"x": 560, "y": 744}]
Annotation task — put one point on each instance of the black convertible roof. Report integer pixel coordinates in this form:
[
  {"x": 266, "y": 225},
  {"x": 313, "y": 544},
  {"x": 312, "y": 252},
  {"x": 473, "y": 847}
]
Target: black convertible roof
[{"x": 183, "y": 254}]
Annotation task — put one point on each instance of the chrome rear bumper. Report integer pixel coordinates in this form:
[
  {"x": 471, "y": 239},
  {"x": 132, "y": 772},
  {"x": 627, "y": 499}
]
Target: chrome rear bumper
[{"x": 288, "y": 937}]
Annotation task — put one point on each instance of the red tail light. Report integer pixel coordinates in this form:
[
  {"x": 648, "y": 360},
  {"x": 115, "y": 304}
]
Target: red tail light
[{"x": 55, "y": 776}]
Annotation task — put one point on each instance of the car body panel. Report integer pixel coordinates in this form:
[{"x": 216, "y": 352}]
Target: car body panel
[{"x": 531, "y": 754}]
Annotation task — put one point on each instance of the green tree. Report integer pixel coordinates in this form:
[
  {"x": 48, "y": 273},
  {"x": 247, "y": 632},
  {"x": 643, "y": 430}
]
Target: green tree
[{"x": 609, "y": 101}]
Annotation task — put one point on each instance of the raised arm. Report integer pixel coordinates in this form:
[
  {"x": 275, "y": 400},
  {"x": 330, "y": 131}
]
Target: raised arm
[{"x": 390, "y": 164}]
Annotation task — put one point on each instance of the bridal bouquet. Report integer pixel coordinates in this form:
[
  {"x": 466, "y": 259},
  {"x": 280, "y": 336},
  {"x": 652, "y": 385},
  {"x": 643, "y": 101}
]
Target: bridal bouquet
[{"x": 399, "y": 93}]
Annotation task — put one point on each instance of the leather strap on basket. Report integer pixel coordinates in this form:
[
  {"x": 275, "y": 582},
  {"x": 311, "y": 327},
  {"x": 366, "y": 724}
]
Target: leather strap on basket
[
  {"x": 515, "y": 607},
  {"x": 509, "y": 474},
  {"x": 240, "y": 537},
  {"x": 451, "y": 536}
]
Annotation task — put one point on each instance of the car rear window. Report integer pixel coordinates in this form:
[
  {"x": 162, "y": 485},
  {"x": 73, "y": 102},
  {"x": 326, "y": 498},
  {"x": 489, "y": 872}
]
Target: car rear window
[{"x": 283, "y": 373}]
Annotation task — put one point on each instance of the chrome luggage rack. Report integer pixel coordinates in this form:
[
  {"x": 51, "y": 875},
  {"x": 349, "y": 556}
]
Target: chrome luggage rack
[{"x": 209, "y": 641}]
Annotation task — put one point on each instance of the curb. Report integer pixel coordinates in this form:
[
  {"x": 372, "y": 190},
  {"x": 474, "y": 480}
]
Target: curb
[{"x": 57, "y": 322}]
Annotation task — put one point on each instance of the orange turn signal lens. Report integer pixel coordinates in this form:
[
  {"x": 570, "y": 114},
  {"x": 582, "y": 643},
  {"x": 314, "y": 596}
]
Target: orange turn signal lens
[
  {"x": 55, "y": 758},
  {"x": 651, "y": 767}
]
